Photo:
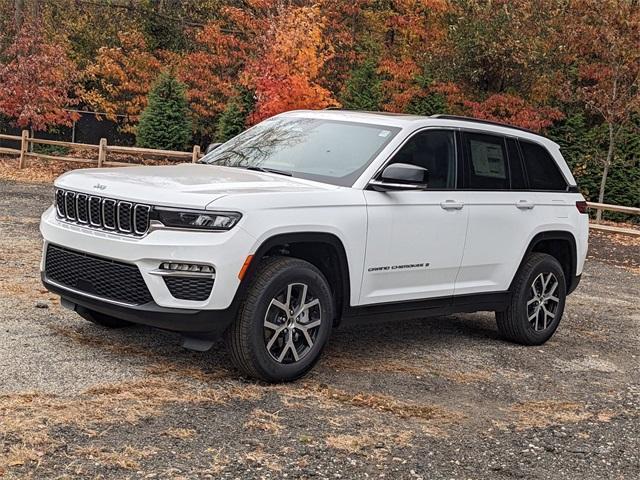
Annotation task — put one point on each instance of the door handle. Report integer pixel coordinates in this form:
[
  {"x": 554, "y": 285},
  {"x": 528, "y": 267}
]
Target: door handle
[
  {"x": 525, "y": 204},
  {"x": 451, "y": 205}
]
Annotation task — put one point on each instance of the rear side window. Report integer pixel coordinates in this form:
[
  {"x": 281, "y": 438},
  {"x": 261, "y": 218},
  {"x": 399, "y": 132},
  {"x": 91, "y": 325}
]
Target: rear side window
[
  {"x": 542, "y": 170},
  {"x": 487, "y": 166}
]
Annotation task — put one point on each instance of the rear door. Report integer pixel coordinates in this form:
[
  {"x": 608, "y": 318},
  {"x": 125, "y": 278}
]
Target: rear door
[
  {"x": 415, "y": 239},
  {"x": 546, "y": 182},
  {"x": 502, "y": 212}
]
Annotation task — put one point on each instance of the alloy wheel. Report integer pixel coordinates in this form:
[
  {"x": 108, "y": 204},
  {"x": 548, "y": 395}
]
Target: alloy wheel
[
  {"x": 543, "y": 301},
  {"x": 291, "y": 323}
]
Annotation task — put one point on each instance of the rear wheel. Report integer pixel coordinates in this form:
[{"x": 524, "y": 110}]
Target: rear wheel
[
  {"x": 537, "y": 301},
  {"x": 101, "y": 319},
  {"x": 284, "y": 321}
]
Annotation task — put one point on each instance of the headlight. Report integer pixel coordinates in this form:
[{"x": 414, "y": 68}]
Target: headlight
[{"x": 196, "y": 219}]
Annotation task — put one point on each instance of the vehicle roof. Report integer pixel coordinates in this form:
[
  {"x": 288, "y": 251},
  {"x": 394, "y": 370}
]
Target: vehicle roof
[{"x": 407, "y": 121}]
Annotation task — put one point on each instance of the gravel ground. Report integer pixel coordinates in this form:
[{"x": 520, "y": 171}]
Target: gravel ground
[{"x": 434, "y": 398}]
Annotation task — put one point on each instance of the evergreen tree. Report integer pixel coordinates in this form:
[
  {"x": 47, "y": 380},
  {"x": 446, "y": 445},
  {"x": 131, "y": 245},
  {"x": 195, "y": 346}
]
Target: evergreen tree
[
  {"x": 165, "y": 123},
  {"x": 233, "y": 119},
  {"x": 363, "y": 90}
]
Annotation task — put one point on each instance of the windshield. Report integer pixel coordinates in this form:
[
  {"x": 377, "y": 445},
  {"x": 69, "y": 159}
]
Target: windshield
[{"x": 328, "y": 151}]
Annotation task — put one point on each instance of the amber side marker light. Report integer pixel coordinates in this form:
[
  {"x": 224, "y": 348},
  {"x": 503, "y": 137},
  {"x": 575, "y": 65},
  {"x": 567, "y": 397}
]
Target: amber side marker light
[
  {"x": 582, "y": 207},
  {"x": 245, "y": 267}
]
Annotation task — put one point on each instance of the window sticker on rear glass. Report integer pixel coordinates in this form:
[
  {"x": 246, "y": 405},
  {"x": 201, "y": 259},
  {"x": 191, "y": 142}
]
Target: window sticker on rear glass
[
  {"x": 487, "y": 159},
  {"x": 384, "y": 133}
]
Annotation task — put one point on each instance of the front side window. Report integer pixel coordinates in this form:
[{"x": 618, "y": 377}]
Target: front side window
[
  {"x": 434, "y": 150},
  {"x": 329, "y": 151},
  {"x": 542, "y": 169},
  {"x": 486, "y": 165}
]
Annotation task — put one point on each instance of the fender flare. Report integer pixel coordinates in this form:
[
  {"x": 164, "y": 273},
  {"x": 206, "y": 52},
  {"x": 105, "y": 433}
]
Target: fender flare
[
  {"x": 573, "y": 257},
  {"x": 301, "y": 237}
]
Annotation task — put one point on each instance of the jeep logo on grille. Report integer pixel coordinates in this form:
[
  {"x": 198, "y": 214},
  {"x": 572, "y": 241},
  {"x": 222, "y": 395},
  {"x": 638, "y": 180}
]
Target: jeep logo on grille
[{"x": 99, "y": 186}]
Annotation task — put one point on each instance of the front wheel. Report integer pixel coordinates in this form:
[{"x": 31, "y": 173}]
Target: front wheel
[
  {"x": 537, "y": 301},
  {"x": 284, "y": 321}
]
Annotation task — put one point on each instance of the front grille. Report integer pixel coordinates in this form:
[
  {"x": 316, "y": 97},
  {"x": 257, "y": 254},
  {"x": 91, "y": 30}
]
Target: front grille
[
  {"x": 189, "y": 288},
  {"x": 101, "y": 277},
  {"x": 102, "y": 213}
]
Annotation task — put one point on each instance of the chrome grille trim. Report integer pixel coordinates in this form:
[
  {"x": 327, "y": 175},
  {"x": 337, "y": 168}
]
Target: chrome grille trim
[
  {"x": 147, "y": 211},
  {"x": 109, "y": 203},
  {"x": 81, "y": 202},
  {"x": 95, "y": 222},
  {"x": 93, "y": 212},
  {"x": 119, "y": 208},
  {"x": 59, "y": 199},
  {"x": 69, "y": 201}
]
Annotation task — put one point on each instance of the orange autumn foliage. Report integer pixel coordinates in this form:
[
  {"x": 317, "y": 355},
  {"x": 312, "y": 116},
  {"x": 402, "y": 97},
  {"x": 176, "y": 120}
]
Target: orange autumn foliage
[
  {"x": 285, "y": 76},
  {"x": 121, "y": 78}
]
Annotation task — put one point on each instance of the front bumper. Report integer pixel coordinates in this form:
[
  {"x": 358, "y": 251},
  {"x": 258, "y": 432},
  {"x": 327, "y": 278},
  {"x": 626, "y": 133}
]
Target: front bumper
[
  {"x": 188, "y": 321},
  {"x": 225, "y": 251}
]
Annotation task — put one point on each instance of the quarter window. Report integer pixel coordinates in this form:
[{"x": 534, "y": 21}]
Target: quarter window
[
  {"x": 487, "y": 166},
  {"x": 542, "y": 169},
  {"x": 434, "y": 150}
]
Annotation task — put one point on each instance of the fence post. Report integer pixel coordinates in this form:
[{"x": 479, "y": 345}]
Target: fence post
[
  {"x": 195, "y": 156},
  {"x": 24, "y": 147},
  {"x": 102, "y": 152}
]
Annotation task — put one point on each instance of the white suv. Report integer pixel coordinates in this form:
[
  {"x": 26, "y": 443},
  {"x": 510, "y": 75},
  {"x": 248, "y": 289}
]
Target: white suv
[{"x": 315, "y": 218}]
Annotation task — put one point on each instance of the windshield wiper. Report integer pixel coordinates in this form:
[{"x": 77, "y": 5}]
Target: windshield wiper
[{"x": 269, "y": 170}]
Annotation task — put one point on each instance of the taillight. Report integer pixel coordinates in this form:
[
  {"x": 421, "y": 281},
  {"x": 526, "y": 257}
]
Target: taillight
[{"x": 582, "y": 206}]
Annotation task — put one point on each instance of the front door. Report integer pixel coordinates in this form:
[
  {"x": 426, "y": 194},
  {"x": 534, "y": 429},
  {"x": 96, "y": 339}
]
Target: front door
[{"x": 415, "y": 239}]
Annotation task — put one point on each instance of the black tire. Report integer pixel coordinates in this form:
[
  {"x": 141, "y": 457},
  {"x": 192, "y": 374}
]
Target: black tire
[
  {"x": 101, "y": 319},
  {"x": 529, "y": 319},
  {"x": 248, "y": 337}
]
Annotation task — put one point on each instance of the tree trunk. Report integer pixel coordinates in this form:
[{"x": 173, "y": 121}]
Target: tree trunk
[
  {"x": 605, "y": 171},
  {"x": 18, "y": 13}
]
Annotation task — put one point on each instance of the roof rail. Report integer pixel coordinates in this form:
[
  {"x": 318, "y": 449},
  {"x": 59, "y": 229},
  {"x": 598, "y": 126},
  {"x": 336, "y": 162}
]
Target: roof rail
[{"x": 479, "y": 120}]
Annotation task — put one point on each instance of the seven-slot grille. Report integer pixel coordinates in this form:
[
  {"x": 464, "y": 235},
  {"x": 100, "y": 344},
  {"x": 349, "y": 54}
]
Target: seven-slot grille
[
  {"x": 102, "y": 213},
  {"x": 97, "y": 276}
]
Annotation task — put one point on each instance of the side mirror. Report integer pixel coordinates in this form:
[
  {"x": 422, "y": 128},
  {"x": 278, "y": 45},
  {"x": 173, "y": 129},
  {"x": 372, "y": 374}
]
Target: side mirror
[
  {"x": 401, "y": 176},
  {"x": 211, "y": 147}
]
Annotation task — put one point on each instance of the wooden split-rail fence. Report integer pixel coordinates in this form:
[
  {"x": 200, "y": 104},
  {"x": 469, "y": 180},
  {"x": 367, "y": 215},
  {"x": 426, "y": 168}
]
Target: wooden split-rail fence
[{"x": 103, "y": 150}]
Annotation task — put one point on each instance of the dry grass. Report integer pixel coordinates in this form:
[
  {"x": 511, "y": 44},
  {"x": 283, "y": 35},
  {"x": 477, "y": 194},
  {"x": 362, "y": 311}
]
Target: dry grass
[
  {"x": 263, "y": 459},
  {"x": 20, "y": 275},
  {"x": 542, "y": 413},
  {"x": 46, "y": 171},
  {"x": 26, "y": 420},
  {"x": 34, "y": 172},
  {"x": 384, "y": 403},
  {"x": 373, "y": 438},
  {"x": 408, "y": 367},
  {"x": 127, "y": 458},
  {"x": 179, "y": 433},
  {"x": 265, "y": 421}
]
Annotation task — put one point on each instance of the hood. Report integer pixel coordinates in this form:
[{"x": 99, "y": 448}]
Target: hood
[{"x": 185, "y": 185}]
